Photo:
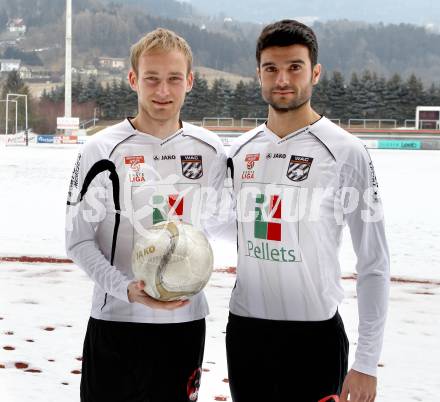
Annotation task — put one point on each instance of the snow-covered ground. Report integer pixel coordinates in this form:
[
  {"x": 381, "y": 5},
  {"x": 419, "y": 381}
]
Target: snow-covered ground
[{"x": 44, "y": 307}]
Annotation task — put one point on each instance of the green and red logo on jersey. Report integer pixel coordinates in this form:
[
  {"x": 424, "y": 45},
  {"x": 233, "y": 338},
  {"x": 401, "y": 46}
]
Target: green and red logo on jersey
[
  {"x": 267, "y": 230},
  {"x": 167, "y": 207}
]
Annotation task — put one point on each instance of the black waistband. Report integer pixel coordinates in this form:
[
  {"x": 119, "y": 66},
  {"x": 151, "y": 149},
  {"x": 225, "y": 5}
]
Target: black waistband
[{"x": 335, "y": 321}]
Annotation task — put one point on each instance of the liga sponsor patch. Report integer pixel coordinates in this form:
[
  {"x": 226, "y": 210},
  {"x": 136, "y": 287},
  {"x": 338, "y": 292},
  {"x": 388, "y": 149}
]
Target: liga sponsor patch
[
  {"x": 192, "y": 167},
  {"x": 299, "y": 168},
  {"x": 135, "y": 175},
  {"x": 134, "y": 162},
  {"x": 251, "y": 159}
]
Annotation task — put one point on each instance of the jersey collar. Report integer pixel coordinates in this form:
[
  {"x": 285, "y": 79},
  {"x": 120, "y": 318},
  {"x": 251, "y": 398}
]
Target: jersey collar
[
  {"x": 160, "y": 141},
  {"x": 278, "y": 140}
]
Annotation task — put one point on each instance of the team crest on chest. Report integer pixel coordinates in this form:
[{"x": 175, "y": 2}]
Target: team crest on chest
[
  {"x": 299, "y": 168},
  {"x": 192, "y": 167}
]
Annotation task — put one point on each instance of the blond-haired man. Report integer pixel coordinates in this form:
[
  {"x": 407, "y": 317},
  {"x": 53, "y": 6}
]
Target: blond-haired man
[{"x": 131, "y": 175}]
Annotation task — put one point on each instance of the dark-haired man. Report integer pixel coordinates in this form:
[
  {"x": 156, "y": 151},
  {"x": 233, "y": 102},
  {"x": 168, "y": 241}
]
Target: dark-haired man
[{"x": 298, "y": 179}]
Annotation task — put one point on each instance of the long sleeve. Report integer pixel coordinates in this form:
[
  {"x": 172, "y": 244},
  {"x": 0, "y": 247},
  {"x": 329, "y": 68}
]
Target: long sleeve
[
  {"x": 366, "y": 224},
  {"x": 86, "y": 208},
  {"x": 217, "y": 216}
]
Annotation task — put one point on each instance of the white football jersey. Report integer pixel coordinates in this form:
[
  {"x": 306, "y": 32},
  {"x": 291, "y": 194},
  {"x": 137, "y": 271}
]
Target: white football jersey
[
  {"x": 293, "y": 197},
  {"x": 123, "y": 182}
]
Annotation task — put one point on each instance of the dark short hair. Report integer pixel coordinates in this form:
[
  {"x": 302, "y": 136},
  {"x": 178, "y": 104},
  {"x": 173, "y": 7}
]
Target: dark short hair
[{"x": 287, "y": 33}]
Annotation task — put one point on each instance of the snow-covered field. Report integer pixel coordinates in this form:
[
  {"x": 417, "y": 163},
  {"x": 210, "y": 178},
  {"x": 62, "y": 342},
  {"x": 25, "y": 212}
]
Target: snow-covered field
[{"x": 44, "y": 307}]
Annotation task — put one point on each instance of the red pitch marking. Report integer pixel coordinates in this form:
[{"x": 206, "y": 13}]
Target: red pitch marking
[
  {"x": 21, "y": 365},
  {"x": 32, "y": 371},
  {"x": 45, "y": 260},
  {"x": 220, "y": 398},
  {"x": 2, "y": 366},
  {"x": 398, "y": 279},
  {"x": 227, "y": 270},
  {"x": 8, "y": 348},
  {"x": 76, "y": 371}
]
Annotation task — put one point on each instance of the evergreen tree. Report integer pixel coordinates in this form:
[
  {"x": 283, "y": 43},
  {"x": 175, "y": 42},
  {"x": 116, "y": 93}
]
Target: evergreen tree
[
  {"x": 203, "y": 100},
  {"x": 77, "y": 89},
  {"x": 218, "y": 97},
  {"x": 320, "y": 100},
  {"x": 380, "y": 90},
  {"x": 415, "y": 96},
  {"x": 337, "y": 96},
  {"x": 125, "y": 101},
  {"x": 391, "y": 97},
  {"x": 90, "y": 90},
  {"x": 197, "y": 102},
  {"x": 257, "y": 107},
  {"x": 433, "y": 96},
  {"x": 239, "y": 104},
  {"x": 353, "y": 104}
]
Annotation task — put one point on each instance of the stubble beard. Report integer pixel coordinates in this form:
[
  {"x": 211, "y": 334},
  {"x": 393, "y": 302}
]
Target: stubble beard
[{"x": 293, "y": 105}]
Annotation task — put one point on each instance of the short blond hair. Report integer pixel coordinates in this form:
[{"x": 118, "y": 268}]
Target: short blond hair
[{"x": 160, "y": 39}]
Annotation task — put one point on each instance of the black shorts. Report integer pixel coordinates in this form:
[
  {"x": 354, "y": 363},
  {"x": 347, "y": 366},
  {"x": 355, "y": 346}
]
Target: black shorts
[
  {"x": 135, "y": 362},
  {"x": 285, "y": 361}
]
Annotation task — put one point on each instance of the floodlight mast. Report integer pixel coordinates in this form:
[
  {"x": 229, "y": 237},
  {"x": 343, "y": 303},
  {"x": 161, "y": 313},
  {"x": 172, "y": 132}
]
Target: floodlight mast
[{"x": 68, "y": 71}]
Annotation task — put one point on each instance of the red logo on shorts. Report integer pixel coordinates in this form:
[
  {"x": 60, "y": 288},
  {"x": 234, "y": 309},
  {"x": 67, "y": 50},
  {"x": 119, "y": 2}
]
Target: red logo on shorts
[
  {"x": 330, "y": 398},
  {"x": 193, "y": 385}
]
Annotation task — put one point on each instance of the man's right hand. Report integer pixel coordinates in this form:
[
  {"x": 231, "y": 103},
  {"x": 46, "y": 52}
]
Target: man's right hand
[{"x": 136, "y": 294}]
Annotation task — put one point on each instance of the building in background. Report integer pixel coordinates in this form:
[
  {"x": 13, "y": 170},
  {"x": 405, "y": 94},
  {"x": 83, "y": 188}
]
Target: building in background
[
  {"x": 112, "y": 63},
  {"x": 16, "y": 25},
  {"x": 8, "y": 65}
]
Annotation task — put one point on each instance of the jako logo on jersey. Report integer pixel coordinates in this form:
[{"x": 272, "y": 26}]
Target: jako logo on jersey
[
  {"x": 164, "y": 157},
  {"x": 250, "y": 160},
  {"x": 192, "y": 167},
  {"x": 165, "y": 207},
  {"x": 268, "y": 230},
  {"x": 299, "y": 168},
  {"x": 275, "y": 156},
  {"x": 135, "y": 176}
]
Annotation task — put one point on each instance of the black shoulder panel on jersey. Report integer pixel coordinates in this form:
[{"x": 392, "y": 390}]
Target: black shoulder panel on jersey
[
  {"x": 230, "y": 166},
  {"x": 102, "y": 166}
]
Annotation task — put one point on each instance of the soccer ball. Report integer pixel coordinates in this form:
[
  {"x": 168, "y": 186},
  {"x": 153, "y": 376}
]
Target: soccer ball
[{"x": 174, "y": 259}]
